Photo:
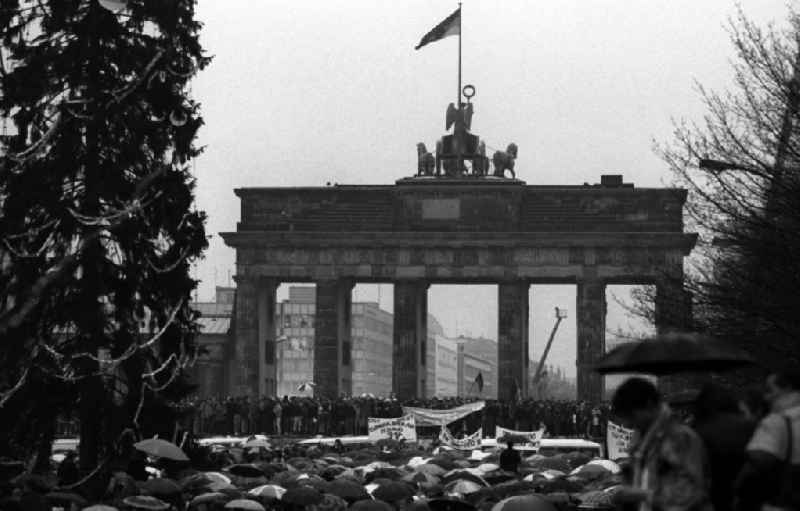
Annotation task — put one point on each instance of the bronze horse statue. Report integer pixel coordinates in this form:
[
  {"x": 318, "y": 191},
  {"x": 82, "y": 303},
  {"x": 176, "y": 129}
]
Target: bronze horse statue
[
  {"x": 426, "y": 162},
  {"x": 504, "y": 160}
]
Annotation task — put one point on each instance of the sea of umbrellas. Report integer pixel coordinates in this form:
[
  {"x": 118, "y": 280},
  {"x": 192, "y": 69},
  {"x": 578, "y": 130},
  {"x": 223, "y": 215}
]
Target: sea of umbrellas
[{"x": 375, "y": 478}]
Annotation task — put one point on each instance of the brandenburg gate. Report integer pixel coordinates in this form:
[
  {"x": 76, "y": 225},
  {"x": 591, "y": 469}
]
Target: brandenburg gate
[{"x": 453, "y": 225}]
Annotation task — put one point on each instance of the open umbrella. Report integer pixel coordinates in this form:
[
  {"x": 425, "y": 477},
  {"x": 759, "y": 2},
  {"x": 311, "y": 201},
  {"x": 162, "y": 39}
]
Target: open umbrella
[
  {"x": 347, "y": 490},
  {"x": 330, "y": 472},
  {"x": 270, "y": 491},
  {"x": 524, "y": 503},
  {"x": 205, "y": 498},
  {"x": 431, "y": 468},
  {"x": 499, "y": 476},
  {"x": 416, "y": 461},
  {"x": 302, "y": 496},
  {"x": 331, "y": 503},
  {"x": 488, "y": 467},
  {"x": 160, "y": 487},
  {"x": 449, "y": 505},
  {"x": 245, "y": 470},
  {"x": 674, "y": 352},
  {"x": 607, "y": 464},
  {"x": 162, "y": 449},
  {"x": 386, "y": 473},
  {"x": 100, "y": 507},
  {"x": 463, "y": 487},
  {"x": 393, "y": 491},
  {"x": 421, "y": 479},
  {"x": 194, "y": 482},
  {"x": 245, "y": 505},
  {"x": 145, "y": 502},
  {"x": 473, "y": 475}
]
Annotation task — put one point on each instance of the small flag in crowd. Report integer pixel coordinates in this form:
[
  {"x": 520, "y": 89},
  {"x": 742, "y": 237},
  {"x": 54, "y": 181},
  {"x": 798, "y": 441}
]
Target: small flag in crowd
[
  {"x": 479, "y": 382},
  {"x": 450, "y": 26}
]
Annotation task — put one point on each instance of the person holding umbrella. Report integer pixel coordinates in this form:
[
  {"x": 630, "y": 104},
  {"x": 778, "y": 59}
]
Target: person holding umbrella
[{"x": 669, "y": 461}]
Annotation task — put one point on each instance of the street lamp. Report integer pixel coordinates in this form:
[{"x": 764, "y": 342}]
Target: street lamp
[{"x": 718, "y": 165}]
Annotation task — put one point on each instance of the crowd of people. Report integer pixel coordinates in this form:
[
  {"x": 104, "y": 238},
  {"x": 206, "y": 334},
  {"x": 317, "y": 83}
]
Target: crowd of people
[
  {"x": 298, "y": 415},
  {"x": 734, "y": 452}
]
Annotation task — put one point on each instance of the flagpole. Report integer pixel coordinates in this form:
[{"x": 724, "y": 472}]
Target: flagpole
[{"x": 458, "y": 93}]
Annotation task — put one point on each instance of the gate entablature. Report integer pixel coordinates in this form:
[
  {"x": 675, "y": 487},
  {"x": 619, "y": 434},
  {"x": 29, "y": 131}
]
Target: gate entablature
[{"x": 447, "y": 205}]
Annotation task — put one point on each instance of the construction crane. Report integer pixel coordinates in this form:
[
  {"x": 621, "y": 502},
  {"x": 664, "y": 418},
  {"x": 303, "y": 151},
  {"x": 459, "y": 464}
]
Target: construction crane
[{"x": 561, "y": 314}]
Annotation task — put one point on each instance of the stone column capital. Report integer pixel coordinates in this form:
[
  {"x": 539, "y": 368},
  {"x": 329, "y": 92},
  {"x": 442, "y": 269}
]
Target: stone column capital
[{"x": 244, "y": 280}]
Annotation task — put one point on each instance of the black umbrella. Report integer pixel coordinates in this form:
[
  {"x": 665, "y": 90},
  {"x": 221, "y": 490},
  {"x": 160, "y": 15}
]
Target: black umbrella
[
  {"x": 449, "y": 505},
  {"x": 393, "y": 491},
  {"x": 671, "y": 353},
  {"x": 246, "y": 470},
  {"x": 302, "y": 496}
]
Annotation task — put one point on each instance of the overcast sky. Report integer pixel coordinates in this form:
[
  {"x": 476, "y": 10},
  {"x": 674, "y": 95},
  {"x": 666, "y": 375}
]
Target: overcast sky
[{"x": 301, "y": 93}]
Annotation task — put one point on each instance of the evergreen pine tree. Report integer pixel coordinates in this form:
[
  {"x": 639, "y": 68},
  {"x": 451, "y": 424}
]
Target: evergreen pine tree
[{"x": 96, "y": 206}]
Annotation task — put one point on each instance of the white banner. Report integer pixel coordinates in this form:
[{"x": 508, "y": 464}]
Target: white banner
[
  {"x": 469, "y": 443},
  {"x": 618, "y": 440},
  {"x": 533, "y": 437},
  {"x": 431, "y": 417},
  {"x": 399, "y": 428}
]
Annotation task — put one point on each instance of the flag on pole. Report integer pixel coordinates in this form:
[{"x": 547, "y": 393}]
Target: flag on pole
[
  {"x": 450, "y": 26},
  {"x": 479, "y": 382}
]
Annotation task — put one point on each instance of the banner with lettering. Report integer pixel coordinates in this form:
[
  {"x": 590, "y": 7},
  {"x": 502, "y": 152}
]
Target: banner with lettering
[
  {"x": 532, "y": 438},
  {"x": 431, "y": 417},
  {"x": 618, "y": 440},
  {"x": 398, "y": 428},
  {"x": 469, "y": 443}
]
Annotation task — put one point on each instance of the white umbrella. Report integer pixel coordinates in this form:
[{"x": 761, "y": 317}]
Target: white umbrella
[
  {"x": 269, "y": 490},
  {"x": 606, "y": 464},
  {"x": 161, "y": 448}
]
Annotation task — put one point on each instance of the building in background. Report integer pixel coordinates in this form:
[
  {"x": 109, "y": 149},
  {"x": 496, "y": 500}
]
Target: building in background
[
  {"x": 372, "y": 340},
  {"x": 451, "y": 365},
  {"x": 295, "y": 340},
  {"x": 208, "y": 372},
  {"x": 477, "y": 355},
  {"x": 442, "y": 362}
]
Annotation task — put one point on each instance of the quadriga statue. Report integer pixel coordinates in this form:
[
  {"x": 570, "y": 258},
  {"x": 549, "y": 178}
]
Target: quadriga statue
[
  {"x": 504, "y": 160},
  {"x": 426, "y": 162}
]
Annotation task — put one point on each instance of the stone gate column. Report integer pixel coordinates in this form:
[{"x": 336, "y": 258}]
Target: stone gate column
[
  {"x": 243, "y": 373},
  {"x": 591, "y": 323},
  {"x": 410, "y": 337},
  {"x": 512, "y": 339},
  {"x": 673, "y": 313},
  {"x": 267, "y": 364},
  {"x": 673, "y": 307},
  {"x": 333, "y": 370}
]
